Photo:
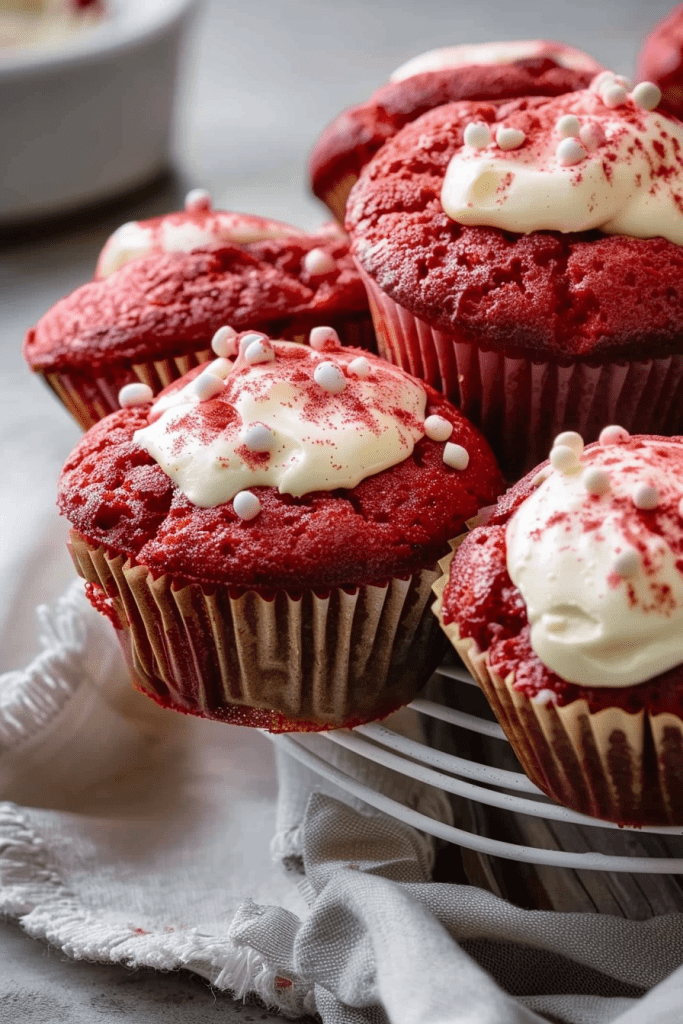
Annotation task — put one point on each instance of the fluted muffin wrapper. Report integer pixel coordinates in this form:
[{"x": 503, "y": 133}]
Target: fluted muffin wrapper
[
  {"x": 611, "y": 764},
  {"x": 521, "y": 404},
  {"x": 305, "y": 662},
  {"x": 336, "y": 195}
]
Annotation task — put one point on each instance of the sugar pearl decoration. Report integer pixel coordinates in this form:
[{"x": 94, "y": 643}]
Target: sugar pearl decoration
[
  {"x": 455, "y": 456},
  {"x": 246, "y": 340},
  {"x": 568, "y": 126},
  {"x": 197, "y": 199},
  {"x": 541, "y": 476},
  {"x": 359, "y": 367},
  {"x": 645, "y": 497},
  {"x": 260, "y": 351},
  {"x": 563, "y": 458},
  {"x": 322, "y": 338},
  {"x": 207, "y": 386},
  {"x": 569, "y": 152},
  {"x": 613, "y": 435},
  {"x": 627, "y": 563},
  {"x": 246, "y": 505},
  {"x": 592, "y": 135},
  {"x": 330, "y": 378},
  {"x": 478, "y": 136},
  {"x": 647, "y": 95},
  {"x": 437, "y": 428},
  {"x": 613, "y": 95},
  {"x": 596, "y": 480},
  {"x": 510, "y": 138},
  {"x": 135, "y": 394},
  {"x": 317, "y": 263},
  {"x": 571, "y": 439},
  {"x": 258, "y": 437},
  {"x": 224, "y": 342}
]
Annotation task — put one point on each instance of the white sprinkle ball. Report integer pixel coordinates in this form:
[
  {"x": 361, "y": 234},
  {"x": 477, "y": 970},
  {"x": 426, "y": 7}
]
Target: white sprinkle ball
[
  {"x": 246, "y": 340},
  {"x": 322, "y": 338},
  {"x": 627, "y": 562},
  {"x": 437, "y": 428},
  {"x": 359, "y": 367},
  {"x": 219, "y": 368},
  {"x": 613, "y": 435},
  {"x": 455, "y": 456},
  {"x": 197, "y": 199},
  {"x": 510, "y": 138},
  {"x": 613, "y": 95},
  {"x": 330, "y": 378},
  {"x": 647, "y": 95},
  {"x": 135, "y": 394},
  {"x": 260, "y": 351},
  {"x": 592, "y": 135},
  {"x": 568, "y": 126},
  {"x": 596, "y": 480},
  {"x": 317, "y": 263},
  {"x": 571, "y": 439},
  {"x": 541, "y": 476},
  {"x": 645, "y": 497},
  {"x": 207, "y": 386},
  {"x": 224, "y": 342},
  {"x": 478, "y": 136},
  {"x": 258, "y": 437},
  {"x": 246, "y": 505},
  {"x": 563, "y": 458},
  {"x": 569, "y": 152}
]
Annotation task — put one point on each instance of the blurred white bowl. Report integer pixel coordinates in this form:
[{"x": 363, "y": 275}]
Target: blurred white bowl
[{"x": 91, "y": 118}]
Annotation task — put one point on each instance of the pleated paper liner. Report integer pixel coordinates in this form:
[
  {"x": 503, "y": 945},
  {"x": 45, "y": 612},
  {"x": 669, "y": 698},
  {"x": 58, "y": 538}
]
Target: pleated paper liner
[
  {"x": 521, "y": 404},
  {"x": 302, "y": 663},
  {"x": 609, "y": 764},
  {"x": 337, "y": 194}
]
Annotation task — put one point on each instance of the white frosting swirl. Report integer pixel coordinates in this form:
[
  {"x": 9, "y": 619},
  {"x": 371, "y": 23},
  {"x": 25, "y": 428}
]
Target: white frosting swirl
[
  {"x": 272, "y": 425},
  {"x": 183, "y": 232},
  {"x": 600, "y": 577},
  {"x": 495, "y": 53},
  {"x": 625, "y": 179}
]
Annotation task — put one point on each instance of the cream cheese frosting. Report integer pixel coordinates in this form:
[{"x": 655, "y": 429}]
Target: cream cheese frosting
[
  {"x": 596, "y": 552},
  {"x": 592, "y": 159},
  {"x": 508, "y": 52},
  {"x": 286, "y": 416}
]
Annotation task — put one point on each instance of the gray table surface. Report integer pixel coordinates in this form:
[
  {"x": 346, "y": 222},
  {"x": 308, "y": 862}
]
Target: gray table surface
[{"x": 260, "y": 82}]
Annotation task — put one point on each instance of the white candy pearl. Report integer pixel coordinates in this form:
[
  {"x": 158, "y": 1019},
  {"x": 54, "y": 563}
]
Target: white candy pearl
[
  {"x": 596, "y": 480},
  {"x": 645, "y": 497},
  {"x": 135, "y": 394},
  {"x": 259, "y": 351},
  {"x": 437, "y": 428},
  {"x": 647, "y": 95},
  {"x": 571, "y": 439},
  {"x": 510, "y": 138},
  {"x": 568, "y": 126},
  {"x": 592, "y": 136},
  {"x": 322, "y": 338},
  {"x": 317, "y": 262},
  {"x": 330, "y": 378},
  {"x": 197, "y": 199},
  {"x": 569, "y": 152},
  {"x": 359, "y": 367},
  {"x": 478, "y": 136},
  {"x": 613, "y": 435},
  {"x": 219, "y": 368},
  {"x": 224, "y": 342},
  {"x": 246, "y": 340},
  {"x": 455, "y": 456},
  {"x": 627, "y": 563},
  {"x": 613, "y": 95},
  {"x": 206, "y": 386},
  {"x": 246, "y": 505},
  {"x": 563, "y": 458},
  {"x": 258, "y": 437},
  {"x": 541, "y": 476}
]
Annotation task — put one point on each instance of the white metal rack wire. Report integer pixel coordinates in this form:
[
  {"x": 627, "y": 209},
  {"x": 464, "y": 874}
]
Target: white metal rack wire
[{"x": 495, "y": 787}]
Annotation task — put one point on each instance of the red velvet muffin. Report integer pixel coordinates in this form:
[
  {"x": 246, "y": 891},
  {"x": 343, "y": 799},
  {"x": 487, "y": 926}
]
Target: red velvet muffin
[
  {"x": 527, "y": 260},
  {"x": 165, "y": 286},
  {"x": 265, "y": 535},
  {"x": 567, "y": 606},
  {"x": 485, "y": 71},
  {"x": 661, "y": 59}
]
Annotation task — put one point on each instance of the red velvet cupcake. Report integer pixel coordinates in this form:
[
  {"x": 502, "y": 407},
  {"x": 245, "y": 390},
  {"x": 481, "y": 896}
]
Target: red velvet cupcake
[
  {"x": 485, "y": 71},
  {"x": 265, "y": 535},
  {"x": 164, "y": 287},
  {"x": 661, "y": 59},
  {"x": 567, "y": 606},
  {"x": 527, "y": 260}
]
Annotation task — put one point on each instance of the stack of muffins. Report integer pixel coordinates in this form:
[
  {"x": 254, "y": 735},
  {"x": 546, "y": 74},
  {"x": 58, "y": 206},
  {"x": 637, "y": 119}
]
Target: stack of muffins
[{"x": 262, "y": 504}]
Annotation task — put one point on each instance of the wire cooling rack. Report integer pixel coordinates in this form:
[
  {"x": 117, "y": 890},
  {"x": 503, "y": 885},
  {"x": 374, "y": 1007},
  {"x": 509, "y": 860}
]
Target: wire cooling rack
[{"x": 481, "y": 783}]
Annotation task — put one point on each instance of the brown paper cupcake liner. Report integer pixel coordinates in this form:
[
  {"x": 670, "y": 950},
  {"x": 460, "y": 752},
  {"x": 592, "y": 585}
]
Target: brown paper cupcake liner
[
  {"x": 336, "y": 196},
  {"x": 609, "y": 764},
  {"x": 305, "y": 662},
  {"x": 522, "y": 404}
]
